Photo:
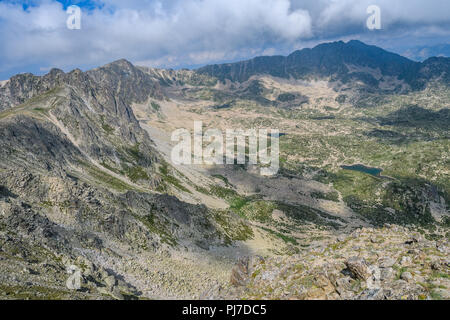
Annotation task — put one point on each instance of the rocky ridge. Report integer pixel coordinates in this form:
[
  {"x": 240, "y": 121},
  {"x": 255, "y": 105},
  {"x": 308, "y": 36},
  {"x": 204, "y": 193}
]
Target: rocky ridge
[{"x": 369, "y": 264}]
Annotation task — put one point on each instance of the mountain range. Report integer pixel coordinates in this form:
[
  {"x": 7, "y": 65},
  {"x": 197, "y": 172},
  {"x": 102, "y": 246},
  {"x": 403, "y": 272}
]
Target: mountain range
[
  {"x": 86, "y": 180},
  {"x": 339, "y": 61}
]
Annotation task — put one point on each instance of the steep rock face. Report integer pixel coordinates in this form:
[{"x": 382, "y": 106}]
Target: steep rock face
[
  {"x": 92, "y": 110},
  {"x": 170, "y": 77},
  {"x": 127, "y": 82},
  {"x": 119, "y": 83},
  {"x": 78, "y": 177},
  {"x": 28, "y": 142},
  {"x": 24, "y": 86},
  {"x": 83, "y": 129},
  {"x": 173, "y": 219},
  {"x": 45, "y": 251}
]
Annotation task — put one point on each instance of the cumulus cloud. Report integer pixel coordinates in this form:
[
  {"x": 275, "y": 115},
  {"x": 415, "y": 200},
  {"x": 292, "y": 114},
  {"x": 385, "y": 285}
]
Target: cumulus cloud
[
  {"x": 347, "y": 14},
  {"x": 173, "y": 33},
  {"x": 186, "y": 32}
]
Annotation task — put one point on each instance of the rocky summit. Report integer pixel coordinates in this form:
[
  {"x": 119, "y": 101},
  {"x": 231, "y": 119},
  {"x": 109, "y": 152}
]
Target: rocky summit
[{"x": 92, "y": 206}]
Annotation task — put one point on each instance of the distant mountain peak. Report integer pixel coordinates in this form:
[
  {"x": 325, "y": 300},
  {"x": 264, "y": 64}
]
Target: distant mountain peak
[
  {"x": 331, "y": 60},
  {"x": 123, "y": 63}
]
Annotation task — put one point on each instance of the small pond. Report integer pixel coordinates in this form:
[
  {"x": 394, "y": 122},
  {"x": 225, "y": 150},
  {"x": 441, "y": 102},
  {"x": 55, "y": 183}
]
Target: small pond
[{"x": 362, "y": 168}]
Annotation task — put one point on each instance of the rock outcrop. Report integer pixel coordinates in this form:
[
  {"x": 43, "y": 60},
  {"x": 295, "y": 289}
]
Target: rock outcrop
[{"x": 393, "y": 268}]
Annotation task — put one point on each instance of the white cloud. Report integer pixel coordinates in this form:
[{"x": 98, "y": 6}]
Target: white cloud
[
  {"x": 197, "y": 30},
  {"x": 186, "y": 32}
]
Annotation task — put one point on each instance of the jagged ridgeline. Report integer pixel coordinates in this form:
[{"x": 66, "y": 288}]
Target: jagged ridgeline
[
  {"x": 344, "y": 62},
  {"x": 78, "y": 175}
]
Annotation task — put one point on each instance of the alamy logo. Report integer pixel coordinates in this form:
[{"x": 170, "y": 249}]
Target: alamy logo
[
  {"x": 74, "y": 280},
  {"x": 374, "y": 20},
  {"x": 73, "y": 22},
  {"x": 261, "y": 149}
]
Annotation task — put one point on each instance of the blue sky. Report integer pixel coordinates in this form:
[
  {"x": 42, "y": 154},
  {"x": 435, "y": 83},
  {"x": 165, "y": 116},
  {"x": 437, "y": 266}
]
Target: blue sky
[
  {"x": 190, "y": 33},
  {"x": 85, "y": 4}
]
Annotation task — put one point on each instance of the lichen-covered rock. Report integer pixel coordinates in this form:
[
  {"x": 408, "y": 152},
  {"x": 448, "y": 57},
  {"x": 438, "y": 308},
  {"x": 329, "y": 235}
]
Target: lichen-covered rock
[
  {"x": 240, "y": 273},
  {"x": 359, "y": 267}
]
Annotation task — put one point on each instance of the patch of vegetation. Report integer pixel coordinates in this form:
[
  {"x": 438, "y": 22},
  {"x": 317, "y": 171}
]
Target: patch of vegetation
[
  {"x": 34, "y": 104},
  {"x": 237, "y": 203},
  {"x": 430, "y": 288},
  {"x": 223, "y": 106},
  {"x": 155, "y": 226},
  {"x": 436, "y": 296},
  {"x": 323, "y": 117},
  {"x": 224, "y": 179},
  {"x": 134, "y": 152},
  {"x": 331, "y": 196},
  {"x": 33, "y": 293},
  {"x": 353, "y": 183},
  {"x": 47, "y": 204},
  {"x": 379, "y": 200},
  {"x": 234, "y": 229},
  {"x": 256, "y": 273},
  {"x": 302, "y": 213},
  {"x": 438, "y": 274},
  {"x": 169, "y": 178},
  {"x": 285, "y": 238},
  {"x": 108, "y": 129},
  {"x": 203, "y": 190},
  {"x": 105, "y": 126},
  {"x": 112, "y": 169},
  {"x": 43, "y": 110},
  {"x": 155, "y": 106},
  {"x": 286, "y": 97},
  {"x": 106, "y": 179},
  {"x": 223, "y": 193},
  {"x": 259, "y": 210},
  {"x": 341, "y": 98},
  {"x": 137, "y": 173}
]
